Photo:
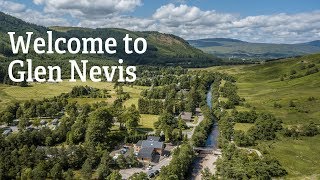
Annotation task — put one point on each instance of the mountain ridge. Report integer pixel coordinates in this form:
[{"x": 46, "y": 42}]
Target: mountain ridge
[{"x": 238, "y": 49}]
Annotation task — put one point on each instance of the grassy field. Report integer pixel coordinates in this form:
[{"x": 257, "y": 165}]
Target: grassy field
[
  {"x": 242, "y": 126},
  {"x": 300, "y": 157},
  {"x": 39, "y": 91},
  {"x": 262, "y": 87},
  {"x": 147, "y": 120},
  {"x": 134, "y": 92}
]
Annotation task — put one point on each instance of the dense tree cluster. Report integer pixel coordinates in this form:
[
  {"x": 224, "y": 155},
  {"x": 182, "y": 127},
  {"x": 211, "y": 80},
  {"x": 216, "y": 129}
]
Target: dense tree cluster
[
  {"x": 202, "y": 130},
  {"x": 170, "y": 126},
  {"x": 139, "y": 176},
  {"x": 161, "y": 76},
  {"x": 32, "y": 108},
  {"x": 310, "y": 129},
  {"x": 245, "y": 116},
  {"x": 229, "y": 90},
  {"x": 40, "y": 153},
  {"x": 265, "y": 127},
  {"x": 150, "y": 106},
  {"x": 180, "y": 163},
  {"x": 90, "y": 92},
  {"x": 238, "y": 164}
]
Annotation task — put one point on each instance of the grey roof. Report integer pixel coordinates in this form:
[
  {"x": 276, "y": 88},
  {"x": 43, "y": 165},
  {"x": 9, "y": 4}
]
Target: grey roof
[
  {"x": 55, "y": 121},
  {"x": 139, "y": 143},
  {"x": 7, "y": 132},
  {"x": 146, "y": 152},
  {"x": 186, "y": 115},
  {"x": 152, "y": 144},
  {"x": 153, "y": 138}
]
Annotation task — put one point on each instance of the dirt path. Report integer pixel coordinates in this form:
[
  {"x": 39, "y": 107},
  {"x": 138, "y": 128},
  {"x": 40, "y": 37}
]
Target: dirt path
[{"x": 250, "y": 150}]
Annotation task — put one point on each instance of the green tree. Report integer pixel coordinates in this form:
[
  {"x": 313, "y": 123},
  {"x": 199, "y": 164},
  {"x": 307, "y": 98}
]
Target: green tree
[
  {"x": 121, "y": 161},
  {"x": 26, "y": 174},
  {"x": 207, "y": 175},
  {"x": 56, "y": 171},
  {"x": 86, "y": 170},
  {"x": 78, "y": 130},
  {"x": 39, "y": 172},
  {"x": 139, "y": 176},
  {"x": 311, "y": 129},
  {"x": 23, "y": 123},
  {"x": 103, "y": 168},
  {"x": 115, "y": 175},
  {"x": 132, "y": 118},
  {"x": 68, "y": 175},
  {"x": 100, "y": 123}
]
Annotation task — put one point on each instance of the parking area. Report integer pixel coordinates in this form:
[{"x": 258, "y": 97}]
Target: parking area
[{"x": 153, "y": 169}]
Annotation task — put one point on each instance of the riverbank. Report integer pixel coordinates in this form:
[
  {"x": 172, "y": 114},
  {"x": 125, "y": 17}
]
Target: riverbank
[{"x": 207, "y": 162}]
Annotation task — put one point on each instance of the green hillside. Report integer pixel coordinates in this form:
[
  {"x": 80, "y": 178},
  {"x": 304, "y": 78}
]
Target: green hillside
[
  {"x": 236, "y": 49},
  {"x": 295, "y": 80},
  {"x": 163, "y": 49}
]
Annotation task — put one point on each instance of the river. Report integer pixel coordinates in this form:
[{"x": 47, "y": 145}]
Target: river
[
  {"x": 213, "y": 136},
  {"x": 203, "y": 160}
]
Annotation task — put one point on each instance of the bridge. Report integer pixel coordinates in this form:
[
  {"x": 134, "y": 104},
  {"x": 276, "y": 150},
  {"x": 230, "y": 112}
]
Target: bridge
[
  {"x": 204, "y": 150},
  {"x": 207, "y": 150}
]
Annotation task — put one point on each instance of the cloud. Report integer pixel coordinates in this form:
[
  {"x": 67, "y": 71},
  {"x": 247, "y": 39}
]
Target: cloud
[
  {"x": 21, "y": 11},
  {"x": 11, "y": 6},
  {"x": 127, "y": 22},
  {"x": 189, "y": 22},
  {"x": 88, "y": 9},
  {"x": 172, "y": 15}
]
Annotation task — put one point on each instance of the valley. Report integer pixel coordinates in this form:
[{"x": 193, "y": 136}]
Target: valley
[
  {"x": 256, "y": 120},
  {"x": 265, "y": 90}
]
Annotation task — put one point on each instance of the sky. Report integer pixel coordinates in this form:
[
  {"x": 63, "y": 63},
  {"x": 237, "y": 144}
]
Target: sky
[{"x": 270, "y": 21}]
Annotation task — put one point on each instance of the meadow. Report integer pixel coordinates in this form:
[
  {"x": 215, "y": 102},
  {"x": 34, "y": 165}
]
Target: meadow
[
  {"x": 38, "y": 91},
  {"x": 262, "y": 86}
]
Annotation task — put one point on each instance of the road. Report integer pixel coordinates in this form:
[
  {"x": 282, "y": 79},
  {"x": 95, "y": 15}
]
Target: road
[{"x": 126, "y": 173}]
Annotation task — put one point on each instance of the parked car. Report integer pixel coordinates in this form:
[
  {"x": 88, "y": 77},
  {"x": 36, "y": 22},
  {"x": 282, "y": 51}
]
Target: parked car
[
  {"x": 156, "y": 172},
  {"x": 151, "y": 175},
  {"x": 123, "y": 151}
]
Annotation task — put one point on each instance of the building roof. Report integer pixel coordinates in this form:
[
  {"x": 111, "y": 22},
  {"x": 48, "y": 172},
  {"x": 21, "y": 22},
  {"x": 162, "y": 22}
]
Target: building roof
[
  {"x": 186, "y": 115},
  {"x": 152, "y": 144},
  {"x": 7, "y": 132},
  {"x": 139, "y": 143},
  {"x": 146, "y": 152},
  {"x": 153, "y": 138}
]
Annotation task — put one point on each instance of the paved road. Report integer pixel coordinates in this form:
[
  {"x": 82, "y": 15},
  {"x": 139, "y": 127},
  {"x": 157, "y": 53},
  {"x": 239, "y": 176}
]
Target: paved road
[{"x": 190, "y": 133}]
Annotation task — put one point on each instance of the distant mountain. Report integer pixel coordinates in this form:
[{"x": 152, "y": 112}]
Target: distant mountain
[
  {"x": 236, "y": 49},
  {"x": 314, "y": 43},
  {"x": 163, "y": 49}
]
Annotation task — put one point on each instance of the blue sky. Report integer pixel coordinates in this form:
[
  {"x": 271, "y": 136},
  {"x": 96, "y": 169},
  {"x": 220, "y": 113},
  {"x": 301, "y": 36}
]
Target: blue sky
[
  {"x": 243, "y": 7},
  {"x": 276, "y": 21}
]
